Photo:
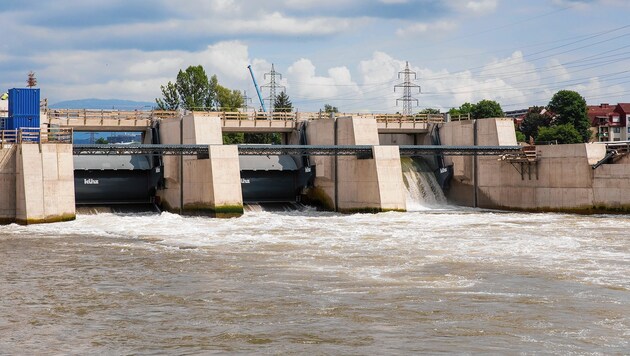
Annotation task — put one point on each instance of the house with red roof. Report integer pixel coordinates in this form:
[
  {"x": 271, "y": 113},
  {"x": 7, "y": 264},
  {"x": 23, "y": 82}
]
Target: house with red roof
[{"x": 611, "y": 122}]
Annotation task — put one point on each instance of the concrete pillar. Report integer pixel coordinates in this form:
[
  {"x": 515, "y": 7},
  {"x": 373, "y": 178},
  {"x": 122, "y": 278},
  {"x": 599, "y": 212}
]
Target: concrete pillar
[
  {"x": 211, "y": 186},
  {"x": 44, "y": 183},
  {"x": 363, "y": 185},
  {"x": 7, "y": 184}
]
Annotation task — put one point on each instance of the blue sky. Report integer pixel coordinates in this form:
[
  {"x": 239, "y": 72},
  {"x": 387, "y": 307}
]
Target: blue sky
[{"x": 346, "y": 53}]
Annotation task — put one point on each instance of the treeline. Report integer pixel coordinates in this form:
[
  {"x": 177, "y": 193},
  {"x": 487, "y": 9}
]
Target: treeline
[{"x": 563, "y": 120}]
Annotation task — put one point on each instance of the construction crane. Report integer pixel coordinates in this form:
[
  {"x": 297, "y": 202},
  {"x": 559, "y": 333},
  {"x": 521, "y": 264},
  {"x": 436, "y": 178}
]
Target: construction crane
[{"x": 262, "y": 103}]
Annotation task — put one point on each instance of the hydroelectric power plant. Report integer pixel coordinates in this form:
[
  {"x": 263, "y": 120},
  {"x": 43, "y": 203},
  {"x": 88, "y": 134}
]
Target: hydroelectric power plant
[
  {"x": 345, "y": 163},
  {"x": 431, "y": 279}
]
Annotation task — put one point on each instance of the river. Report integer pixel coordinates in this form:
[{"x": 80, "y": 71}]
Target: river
[{"x": 435, "y": 280}]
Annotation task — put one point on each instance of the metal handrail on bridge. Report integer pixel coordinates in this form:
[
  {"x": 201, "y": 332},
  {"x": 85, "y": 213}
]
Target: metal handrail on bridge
[
  {"x": 310, "y": 150},
  {"x": 35, "y": 135}
]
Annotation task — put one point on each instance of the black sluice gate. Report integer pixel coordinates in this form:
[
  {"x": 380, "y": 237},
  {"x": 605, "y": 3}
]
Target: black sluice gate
[
  {"x": 115, "y": 179},
  {"x": 274, "y": 178}
]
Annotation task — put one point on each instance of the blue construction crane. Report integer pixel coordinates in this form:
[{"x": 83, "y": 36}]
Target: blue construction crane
[{"x": 262, "y": 103}]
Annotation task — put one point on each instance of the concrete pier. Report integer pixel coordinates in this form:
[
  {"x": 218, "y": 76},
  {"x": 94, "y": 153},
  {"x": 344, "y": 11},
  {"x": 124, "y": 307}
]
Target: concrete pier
[
  {"x": 211, "y": 186},
  {"x": 36, "y": 183},
  {"x": 561, "y": 178},
  {"x": 351, "y": 184}
]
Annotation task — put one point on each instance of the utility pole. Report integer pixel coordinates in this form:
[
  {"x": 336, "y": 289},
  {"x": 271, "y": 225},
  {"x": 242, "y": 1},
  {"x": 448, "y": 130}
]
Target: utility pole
[
  {"x": 407, "y": 86},
  {"x": 273, "y": 86}
]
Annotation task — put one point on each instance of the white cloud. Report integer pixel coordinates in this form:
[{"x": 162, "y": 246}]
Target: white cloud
[
  {"x": 474, "y": 6},
  {"x": 557, "y": 70},
  {"x": 309, "y": 86},
  {"x": 427, "y": 28}
]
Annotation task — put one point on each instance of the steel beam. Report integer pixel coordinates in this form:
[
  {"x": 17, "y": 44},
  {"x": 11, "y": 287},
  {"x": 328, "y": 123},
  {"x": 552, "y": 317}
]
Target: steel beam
[{"x": 297, "y": 150}]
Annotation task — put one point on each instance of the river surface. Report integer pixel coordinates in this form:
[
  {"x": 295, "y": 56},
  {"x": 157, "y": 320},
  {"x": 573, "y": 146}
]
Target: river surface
[{"x": 430, "y": 281}]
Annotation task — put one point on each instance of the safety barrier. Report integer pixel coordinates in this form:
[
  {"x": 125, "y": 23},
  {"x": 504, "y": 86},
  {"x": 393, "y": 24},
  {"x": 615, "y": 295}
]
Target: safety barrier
[{"x": 35, "y": 135}]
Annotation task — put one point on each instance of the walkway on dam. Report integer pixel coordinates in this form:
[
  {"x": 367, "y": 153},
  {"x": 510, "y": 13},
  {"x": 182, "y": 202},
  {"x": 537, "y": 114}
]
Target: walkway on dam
[
  {"x": 64, "y": 135},
  {"x": 259, "y": 122}
]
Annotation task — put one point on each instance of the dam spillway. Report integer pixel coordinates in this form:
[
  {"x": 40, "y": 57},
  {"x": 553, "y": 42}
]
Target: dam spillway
[{"x": 353, "y": 170}]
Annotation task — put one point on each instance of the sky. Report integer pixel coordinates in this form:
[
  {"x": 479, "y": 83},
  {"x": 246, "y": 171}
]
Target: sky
[{"x": 345, "y": 53}]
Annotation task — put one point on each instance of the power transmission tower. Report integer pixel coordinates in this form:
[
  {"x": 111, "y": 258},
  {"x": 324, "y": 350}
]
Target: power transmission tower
[
  {"x": 407, "y": 86},
  {"x": 273, "y": 87},
  {"x": 246, "y": 101}
]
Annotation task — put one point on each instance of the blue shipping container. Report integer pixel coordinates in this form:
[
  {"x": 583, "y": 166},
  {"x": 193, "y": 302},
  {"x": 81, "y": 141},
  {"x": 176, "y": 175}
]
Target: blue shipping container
[
  {"x": 23, "y": 108},
  {"x": 18, "y": 122}
]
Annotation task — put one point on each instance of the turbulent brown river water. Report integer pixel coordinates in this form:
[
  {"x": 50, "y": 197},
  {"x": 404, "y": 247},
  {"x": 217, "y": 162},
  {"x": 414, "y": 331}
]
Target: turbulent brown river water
[{"x": 430, "y": 281}]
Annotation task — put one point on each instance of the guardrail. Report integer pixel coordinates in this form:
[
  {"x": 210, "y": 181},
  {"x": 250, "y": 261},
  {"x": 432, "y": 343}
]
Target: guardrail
[
  {"x": 89, "y": 114},
  {"x": 36, "y": 136}
]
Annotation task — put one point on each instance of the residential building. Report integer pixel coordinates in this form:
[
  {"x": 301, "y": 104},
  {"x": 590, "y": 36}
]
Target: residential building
[{"x": 610, "y": 121}]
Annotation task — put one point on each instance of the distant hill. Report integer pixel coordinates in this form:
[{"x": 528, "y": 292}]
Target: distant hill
[{"x": 104, "y": 104}]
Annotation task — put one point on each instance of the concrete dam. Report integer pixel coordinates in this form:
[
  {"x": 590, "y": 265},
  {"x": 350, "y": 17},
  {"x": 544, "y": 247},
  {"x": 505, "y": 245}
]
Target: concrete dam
[{"x": 350, "y": 163}]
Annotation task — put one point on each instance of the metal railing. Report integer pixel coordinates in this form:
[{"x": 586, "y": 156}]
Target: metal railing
[
  {"x": 36, "y": 136},
  {"x": 90, "y": 114},
  {"x": 87, "y": 117}
]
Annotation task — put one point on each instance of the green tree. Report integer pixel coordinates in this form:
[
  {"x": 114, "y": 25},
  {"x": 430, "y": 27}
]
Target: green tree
[
  {"x": 170, "y": 99},
  {"x": 430, "y": 111},
  {"x": 463, "y": 110},
  {"x": 564, "y": 133},
  {"x": 228, "y": 100},
  {"x": 101, "y": 141},
  {"x": 194, "y": 88},
  {"x": 486, "y": 109},
  {"x": 192, "y": 91},
  {"x": 569, "y": 107},
  {"x": 329, "y": 109},
  {"x": 520, "y": 137},
  {"x": 282, "y": 103},
  {"x": 535, "y": 118},
  {"x": 233, "y": 138}
]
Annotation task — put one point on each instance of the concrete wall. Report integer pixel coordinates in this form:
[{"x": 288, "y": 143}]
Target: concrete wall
[
  {"x": 7, "y": 184},
  {"x": 490, "y": 132},
  {"x": 374, "y": 184},
  {"x": 561, "y": 180},
  {"x": 211, "y": 186},
  {"x": 44, "y": 183},
  {"x": 564, "y": 180},
  {"x": 403, "y": 139},
  {"x": 611, "y": 186}
]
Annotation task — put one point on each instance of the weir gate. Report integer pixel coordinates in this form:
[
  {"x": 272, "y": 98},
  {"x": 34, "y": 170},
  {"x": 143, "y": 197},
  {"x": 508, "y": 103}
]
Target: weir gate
[{"x": 183, "y": 166}]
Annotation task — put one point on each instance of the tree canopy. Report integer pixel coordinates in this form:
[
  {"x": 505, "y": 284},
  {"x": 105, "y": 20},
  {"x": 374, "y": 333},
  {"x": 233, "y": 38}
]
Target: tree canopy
[
  {"x": 569, "y": 107},
  {"x": 170, "y": 100},
  {"x": 430, "y": 111},
  {"x": 486, "y": 109},
  {"x": 228, "y": 100},
  {"x": 282, "y": 103},
  {"x": 192, "y": 90},
  {"x": 463, "y": 110},
  {"x": 329, "y": 109},
  {"x": 536, "y": 117},
  {"x": 564, "y": 133}
]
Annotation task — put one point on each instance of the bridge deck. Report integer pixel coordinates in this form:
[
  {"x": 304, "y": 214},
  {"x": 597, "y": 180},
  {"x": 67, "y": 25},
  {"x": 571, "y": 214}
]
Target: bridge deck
[{"x": 114, "y": 120}]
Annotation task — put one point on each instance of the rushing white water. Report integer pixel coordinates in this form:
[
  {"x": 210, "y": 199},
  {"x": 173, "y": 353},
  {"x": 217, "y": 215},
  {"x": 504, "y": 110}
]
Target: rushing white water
[
  {"x": 448, "y": 280},
  {"x": 423, "y": 190}
]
